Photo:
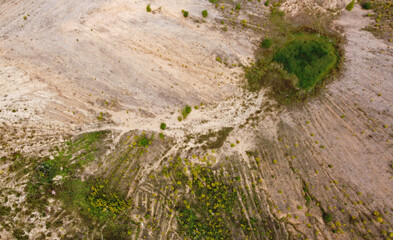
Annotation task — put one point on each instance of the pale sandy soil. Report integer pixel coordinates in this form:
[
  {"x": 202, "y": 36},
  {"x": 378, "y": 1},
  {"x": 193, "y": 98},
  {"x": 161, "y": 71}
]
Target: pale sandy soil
[{"x": 83, "y": 58}]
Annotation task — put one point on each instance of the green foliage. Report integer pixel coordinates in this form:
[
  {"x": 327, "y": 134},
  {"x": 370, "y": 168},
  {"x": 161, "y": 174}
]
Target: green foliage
[
  {"x": 266, "y": 43},
  {"x": 144, "y": 141},
  {"x": 350, "y": 6},
  {"x": 367, "y": 5},
  {"x": 238, "y": 6},
  {"x": 163, "y": 126},
  {"x": 41, "y": 181},
  {"x": 212, "y": 210},
  {"x": 204, "y": 13},
  {"x": 148, "y": 8},
  {"x": 186, "y": 111},
  {"x": 104, "y": 202},
  {"x": 161, "y": 135},
  {"x": 94, "y": 200},
  {"x": 327, "y": 217},
  {"x": 185, "y": 13},
  {"x": 213, "y": 1},
  {"x": 266, "y": 3},
  {"x": 309, "y": 57}
]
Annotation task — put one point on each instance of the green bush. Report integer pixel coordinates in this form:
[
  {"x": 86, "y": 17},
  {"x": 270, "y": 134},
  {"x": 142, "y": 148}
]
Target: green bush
[
  {"x": 350, "y": 6},
  {"x": 367, "y": 5},
  {"x": 161, "y": 135},
  {"x": 238, "y": 6},
  {"x": 148, "y": 9},
  {"x": 144, "y": 141},
  {"x": 309, "y": 57},
  {"x": 204, "y": 13},
  {"x": 327, "y": 217},
  {"x": 185, "y": 13},
  {"x": 267, "y": 3},
  {"x": 185, "y": 111},
  {"x": 163, "y": 126},
  {"x": 266, "y": 43}
]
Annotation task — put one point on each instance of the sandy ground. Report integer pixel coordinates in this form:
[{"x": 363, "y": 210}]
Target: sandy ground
[
  {"x": 70, "y": 60},
  {"x": 79, "y": 59}
]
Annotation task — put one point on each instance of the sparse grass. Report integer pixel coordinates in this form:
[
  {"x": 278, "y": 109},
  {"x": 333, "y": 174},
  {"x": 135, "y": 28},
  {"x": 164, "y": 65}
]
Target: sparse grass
[
  {"x": 41, "y": 181},
  {"x": 215, "y": 140},
  {"x": 95, "y": 201},
  {"x": 382, "y": 26},
  {"x": 213, "y": 208}
]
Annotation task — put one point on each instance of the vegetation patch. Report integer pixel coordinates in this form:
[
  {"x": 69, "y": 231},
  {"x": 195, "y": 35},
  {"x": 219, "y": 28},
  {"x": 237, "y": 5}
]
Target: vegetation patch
[
  {"x": 366, "y": 5},
  {"x": 383, "y": 18},
  {"x": 350, "y": 6},
  {"x": 310, "y": 57},
  {"x": 94, "y": 200},
  {"x": 204, "y": 13},
  {"x": 266, "y": 43},
  {"x": 215, "y": 207},
  {"x": 186, "y": 111},
  {"x": 216, "y": 139},
  {"x": 295, "y": 61},
  {"x": 42, "y": 181}
]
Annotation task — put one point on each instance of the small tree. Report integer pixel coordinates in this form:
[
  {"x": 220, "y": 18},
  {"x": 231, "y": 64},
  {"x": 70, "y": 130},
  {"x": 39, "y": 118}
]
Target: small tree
[{"x": 148, "y": 9}]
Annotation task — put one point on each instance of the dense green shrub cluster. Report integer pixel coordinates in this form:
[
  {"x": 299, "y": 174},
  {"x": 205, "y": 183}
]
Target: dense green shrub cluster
[
  {"x": 309, "y": 57},
  {"x": 367, "y": 5}
]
